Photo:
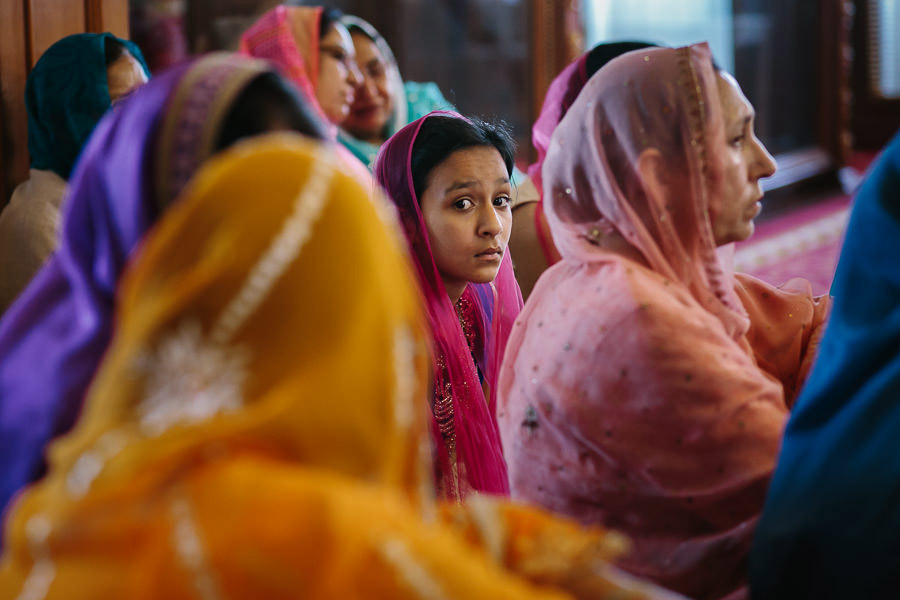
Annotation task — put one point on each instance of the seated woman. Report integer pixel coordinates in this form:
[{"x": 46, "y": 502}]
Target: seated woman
[
  {"x": 313, "y": 49},
  {"x": 225, "y": 452},
  {"x": 449, "y": 177},
  {"x": 72, "y": 85},
  {"x": 829, "y": 528},
  {"x": 630, "y": 394},
  {"x": 132, "y": 169},
  {"x": 530, "y": 240},
  {"x": 384, "y": 102}
]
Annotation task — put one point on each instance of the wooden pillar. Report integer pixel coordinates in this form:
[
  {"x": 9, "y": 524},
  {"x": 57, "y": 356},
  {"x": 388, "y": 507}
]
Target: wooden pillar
[{"x": 557, "y": 40}]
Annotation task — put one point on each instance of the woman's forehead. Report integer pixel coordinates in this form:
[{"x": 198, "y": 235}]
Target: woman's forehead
[
  {"x": 338, "y": 34},
  {"x": 735, "y": 105}
]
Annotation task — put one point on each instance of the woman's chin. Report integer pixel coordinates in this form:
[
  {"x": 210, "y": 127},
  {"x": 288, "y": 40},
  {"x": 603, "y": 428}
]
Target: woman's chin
[
  {"x": 485, "y": 274},
  {"x": 363, "y": 129}
]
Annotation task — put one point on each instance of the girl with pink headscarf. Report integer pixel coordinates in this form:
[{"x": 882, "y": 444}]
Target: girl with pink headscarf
[
  {"x": 450, "y": 179},
  {"x": 645, "y": 387}
]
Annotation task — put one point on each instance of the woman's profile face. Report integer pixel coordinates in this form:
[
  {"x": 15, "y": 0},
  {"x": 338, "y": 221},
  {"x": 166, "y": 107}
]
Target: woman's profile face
[
  {"x": 746, "y": 162},
  {"x": 338, "y": 74},
  {"x": 374, "y": 103},
  {"x": 467, "y": 214}
]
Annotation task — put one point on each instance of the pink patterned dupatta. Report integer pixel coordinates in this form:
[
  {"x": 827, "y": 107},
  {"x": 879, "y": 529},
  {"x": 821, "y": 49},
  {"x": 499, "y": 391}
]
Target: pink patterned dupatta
[
  {"x": 468, "y": 454},
  {"x": 288, "y": 37},
  {"x": 560, "y": 96}
]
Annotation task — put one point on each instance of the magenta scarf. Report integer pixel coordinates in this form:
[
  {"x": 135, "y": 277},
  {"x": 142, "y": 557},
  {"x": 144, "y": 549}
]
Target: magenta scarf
[{"x": 469, "y": 458}]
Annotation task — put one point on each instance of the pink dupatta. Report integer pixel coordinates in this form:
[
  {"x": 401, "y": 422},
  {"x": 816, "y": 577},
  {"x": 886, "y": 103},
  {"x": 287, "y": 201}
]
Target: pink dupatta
[
  {"x": 630, "y": 395},
  {"x": 560, "y": 95},
  {"x": 288, "y": 37},
  {"x": 468, "y": 454}
]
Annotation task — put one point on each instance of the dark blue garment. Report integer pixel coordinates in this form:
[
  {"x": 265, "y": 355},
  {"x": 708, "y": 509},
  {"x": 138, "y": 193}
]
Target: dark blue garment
[
  {"x": 66, "y": 95},
  {"x": 831, "y": 523}
]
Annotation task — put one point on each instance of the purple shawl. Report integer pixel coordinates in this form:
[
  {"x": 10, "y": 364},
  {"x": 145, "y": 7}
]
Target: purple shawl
[{"x": 135, "y": 164}]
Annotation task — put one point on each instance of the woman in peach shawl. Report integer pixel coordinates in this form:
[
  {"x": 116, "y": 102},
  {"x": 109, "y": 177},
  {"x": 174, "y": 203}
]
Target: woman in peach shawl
[
  {"x": 224, "y": 452},
  {"x": 644, "y": 388}
]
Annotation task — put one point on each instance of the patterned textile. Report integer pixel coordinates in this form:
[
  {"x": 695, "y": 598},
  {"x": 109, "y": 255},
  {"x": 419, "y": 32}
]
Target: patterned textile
[
  {"x": 644, "y": 385},
  {"x": 465, "y": 433},
  {"x": 288, "y": 37},
  {"x": 133, "y": 168},
  {"x": 257, "y": 428}
]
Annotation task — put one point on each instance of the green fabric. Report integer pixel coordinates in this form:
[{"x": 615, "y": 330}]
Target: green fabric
[
  {"x": 421, "y": 99},
  {"x": 66, "y": 95}
]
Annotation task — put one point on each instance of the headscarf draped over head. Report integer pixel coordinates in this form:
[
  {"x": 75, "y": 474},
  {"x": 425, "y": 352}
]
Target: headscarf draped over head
[
  {"x": 288, "y": 37},
  {"x": 221, "y": 351},
  {"x": 400, "y": 115},
  {"x": 830, "y": 526},
  {"x": 562, "y": 92},
  {"x": 475, "y": 453},
  {"x": 66, "y": 95},
  {"x": 225, "y": 451},
  {"x": 411, "y": 100},
  {"x": 629, "y": 395},
  {"x": 133, "y": 168},
  {"x": 592, "y": 186}
]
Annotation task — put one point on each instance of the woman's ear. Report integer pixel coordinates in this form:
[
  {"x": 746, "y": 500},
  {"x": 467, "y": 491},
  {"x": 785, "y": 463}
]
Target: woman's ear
[{"x": 653, "y": 173}]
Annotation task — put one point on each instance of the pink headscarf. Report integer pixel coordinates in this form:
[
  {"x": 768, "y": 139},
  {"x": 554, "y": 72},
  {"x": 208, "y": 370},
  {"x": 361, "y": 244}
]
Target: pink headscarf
[
  {"x": 288, "y": 36},
  {"x": 562, "y": 92},
  {"x": 629, "y": 394},
  {"x": 478, "y": 460}
]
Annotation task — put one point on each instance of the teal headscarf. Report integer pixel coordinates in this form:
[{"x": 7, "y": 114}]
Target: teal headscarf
[
  {"x": 412, "y": 100},
  {"x": 65, "y": 95}
]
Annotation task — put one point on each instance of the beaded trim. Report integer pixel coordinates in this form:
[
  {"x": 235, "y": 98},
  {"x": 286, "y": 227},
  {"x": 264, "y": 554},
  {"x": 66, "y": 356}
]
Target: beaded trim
[
  {"x": 697, "y": 122},
  {"x": 43, "y": 571},
  {"x": 198, "y": 106},
  {"x": 190, "y": 549}
]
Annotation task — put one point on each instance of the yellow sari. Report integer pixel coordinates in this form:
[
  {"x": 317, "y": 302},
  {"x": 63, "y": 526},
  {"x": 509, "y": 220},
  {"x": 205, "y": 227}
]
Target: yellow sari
[{"x": 257, "y": 429}]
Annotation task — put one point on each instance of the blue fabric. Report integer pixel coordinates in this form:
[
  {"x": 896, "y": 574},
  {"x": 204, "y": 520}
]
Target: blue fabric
[
  {"x": 66, "y": 95},
  {"x": 831, "y": 524}
]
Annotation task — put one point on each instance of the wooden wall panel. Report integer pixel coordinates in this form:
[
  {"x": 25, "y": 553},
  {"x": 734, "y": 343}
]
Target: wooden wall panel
[
  {"x": 50, "y": 20},
  {"x": 107, "y": 15},
  {"x": 14, "y": 65}
]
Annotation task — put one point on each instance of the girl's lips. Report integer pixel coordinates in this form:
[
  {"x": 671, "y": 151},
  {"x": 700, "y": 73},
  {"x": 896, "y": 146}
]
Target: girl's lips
[{"x": 490, "y": 255}]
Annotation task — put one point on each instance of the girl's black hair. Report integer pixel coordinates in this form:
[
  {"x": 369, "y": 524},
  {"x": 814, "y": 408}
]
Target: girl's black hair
[
  {"x": 440, "y": 136},
  {"x": 268, "y": 103},
  {"x": 603, "y": 53}
]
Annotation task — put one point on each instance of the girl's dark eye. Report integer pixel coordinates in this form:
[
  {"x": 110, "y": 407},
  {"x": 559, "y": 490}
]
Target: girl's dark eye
[
  {"x": 501, "y": 201},
  {"x": 463, "y": 203}
]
